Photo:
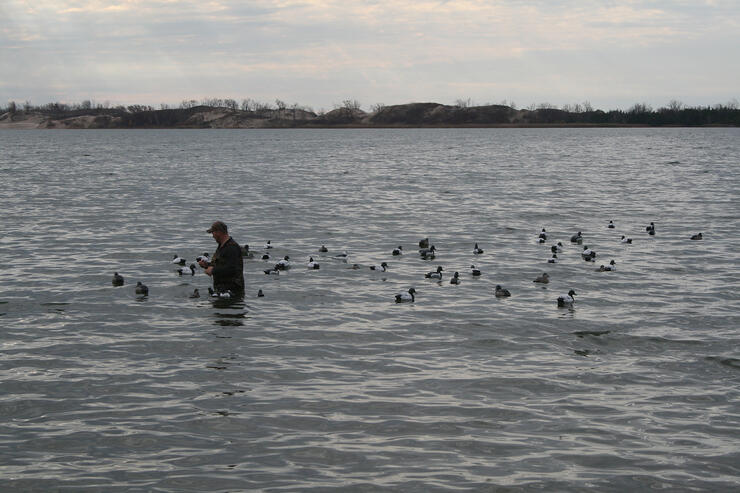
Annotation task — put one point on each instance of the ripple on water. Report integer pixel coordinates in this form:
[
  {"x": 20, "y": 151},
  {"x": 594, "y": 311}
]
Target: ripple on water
[{"x": 325, "y": 382}]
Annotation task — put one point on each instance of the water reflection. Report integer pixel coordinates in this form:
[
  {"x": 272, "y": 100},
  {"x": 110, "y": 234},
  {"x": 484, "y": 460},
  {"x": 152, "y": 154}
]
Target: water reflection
[{"x": 229, "y": 312}]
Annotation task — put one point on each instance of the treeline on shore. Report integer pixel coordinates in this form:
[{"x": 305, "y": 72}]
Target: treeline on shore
[{"x": 227, "y": 113}]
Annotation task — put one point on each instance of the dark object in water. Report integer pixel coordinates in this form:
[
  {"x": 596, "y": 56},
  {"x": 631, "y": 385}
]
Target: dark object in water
[
  {"x": 501, "y": 292},
  {"x": 117, "y": 279},
  {"x": 406, "y": 296},
  {"x": 567, "y": 299},
  {"x": 697, "y": 237},
  {"x": 141, "y": 289}
]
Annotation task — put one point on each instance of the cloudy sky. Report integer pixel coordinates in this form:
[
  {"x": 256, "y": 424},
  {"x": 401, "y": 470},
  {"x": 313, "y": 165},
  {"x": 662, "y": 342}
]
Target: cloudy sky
[{"x": 317, "y": 53}]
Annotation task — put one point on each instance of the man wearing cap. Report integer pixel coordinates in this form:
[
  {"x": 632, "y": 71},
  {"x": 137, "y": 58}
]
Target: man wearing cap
[{"x": 226, "y": 265}]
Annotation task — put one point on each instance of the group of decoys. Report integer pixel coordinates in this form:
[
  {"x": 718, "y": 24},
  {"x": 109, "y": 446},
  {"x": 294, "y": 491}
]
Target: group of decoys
[{"x": 426, "y": 251}]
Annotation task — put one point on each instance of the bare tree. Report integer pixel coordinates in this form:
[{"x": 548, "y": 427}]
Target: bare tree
[
  {"x": 351, "y": 105},
  {"x": 231, "y": 104},
  {"x": 247, "y": 104},
  {"x": 377, "y": 107},
  {"x": 639, "y": 108},
  {"x": 262, "y": 109},
  {"x": 281, "y": 107},
  {"x": 463, "y": 103},
  {"x": 675, "y": 105}
]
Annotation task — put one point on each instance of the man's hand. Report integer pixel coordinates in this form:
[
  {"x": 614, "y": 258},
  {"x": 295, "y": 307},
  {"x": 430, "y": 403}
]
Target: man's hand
[{"x": 209, "y": 270}]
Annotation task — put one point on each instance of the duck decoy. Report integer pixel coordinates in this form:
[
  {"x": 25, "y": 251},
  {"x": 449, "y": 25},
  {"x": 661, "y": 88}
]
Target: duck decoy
[
  {"x": 501, "y": 292},
  {"x": 406, "y": 296},
  {"x": 567, "y": 299},
  {"x": 141, "y": 289},
  {"x": 544, "y": 278},
  {"x": 117, "y": 279}
]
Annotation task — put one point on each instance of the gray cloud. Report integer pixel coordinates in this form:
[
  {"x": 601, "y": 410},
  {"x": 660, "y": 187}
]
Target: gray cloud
[{"x": 320, "y": 52}]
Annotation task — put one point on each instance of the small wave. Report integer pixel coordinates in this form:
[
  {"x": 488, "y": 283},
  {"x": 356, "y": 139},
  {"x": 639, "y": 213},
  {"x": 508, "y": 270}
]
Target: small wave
[
  {"x": 731, "y": 362},
  {"x": 583, "y": 333}
]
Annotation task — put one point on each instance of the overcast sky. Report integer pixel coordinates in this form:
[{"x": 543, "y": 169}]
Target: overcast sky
[{"x": 317, "y": 53}]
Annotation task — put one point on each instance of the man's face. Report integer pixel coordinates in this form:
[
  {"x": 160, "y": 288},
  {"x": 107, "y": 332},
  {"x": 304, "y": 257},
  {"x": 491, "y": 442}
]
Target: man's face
[{"x": 219, "y": 236}]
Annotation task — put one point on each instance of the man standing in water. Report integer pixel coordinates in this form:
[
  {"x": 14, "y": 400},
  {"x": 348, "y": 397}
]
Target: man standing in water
[{"x": 226, "y": 266}]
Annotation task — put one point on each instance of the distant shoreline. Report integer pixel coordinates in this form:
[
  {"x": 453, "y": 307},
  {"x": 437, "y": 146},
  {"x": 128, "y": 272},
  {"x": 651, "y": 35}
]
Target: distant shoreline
[{"x": 412, "y": 115}]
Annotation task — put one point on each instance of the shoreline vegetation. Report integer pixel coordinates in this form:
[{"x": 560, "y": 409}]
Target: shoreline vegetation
[{"x": 227, "y": 113}]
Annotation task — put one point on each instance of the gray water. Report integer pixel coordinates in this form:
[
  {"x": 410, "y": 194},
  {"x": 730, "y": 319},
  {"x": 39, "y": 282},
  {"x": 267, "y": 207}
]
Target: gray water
[{"x": 326, "y": 384}]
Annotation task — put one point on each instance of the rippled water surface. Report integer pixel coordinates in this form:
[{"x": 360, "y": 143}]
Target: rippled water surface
[{"x": 325, "y": 383}]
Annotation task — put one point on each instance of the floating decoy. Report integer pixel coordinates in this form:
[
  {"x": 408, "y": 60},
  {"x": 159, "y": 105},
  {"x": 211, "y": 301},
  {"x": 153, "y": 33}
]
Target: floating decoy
[
  {"x": 588, "y": 254},
  {"x": 567, "y": 299},
  {"x": 141, "y": 289},
  {"x": 544, "y": 278},
  {"x": 610, "y": 225},
  {"x": 553, "y": 259},
  {"x": 474, "y": 271},
  {"x": 428, "y": 253},
  {"x": 260, "y": 294},
  {"x": 382, "y": 267},
  {"x": 195, "y": 293},
  {"x": 268, "y": 245},
  {"x": 266, "y": 256},
  {"x": 455, "y": 278},
  {"x": 697, "y": 237},
  {"x": 501, "y": 292},
  {"x": 312, "y": 264},
  {"x": 284, "y": 264},
  {"x": 117, "y": 279},
  {"x": 178, "y": 260},
  {"x": 577, "y": 238},
  {"x": 397, "y": 251},
  {"x": 625, "y": 239},
  {"x": 406, "y": 296},
  {"x": 205, "y": 257},
  {"x": 189, "y": 270},
  {"x": 424, "y": 243},
  {"x": 476, "y": 250},
  {"x": 219, "y": 294},
  {"x": 323, "y": 249},
  {"x": 435, "y": 274},
  {"x": 650, "y": 228}
]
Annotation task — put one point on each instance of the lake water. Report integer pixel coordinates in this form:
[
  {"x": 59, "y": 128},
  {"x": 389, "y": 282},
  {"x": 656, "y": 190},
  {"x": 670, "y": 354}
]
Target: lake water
[{"x": 326, "y": 384}]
